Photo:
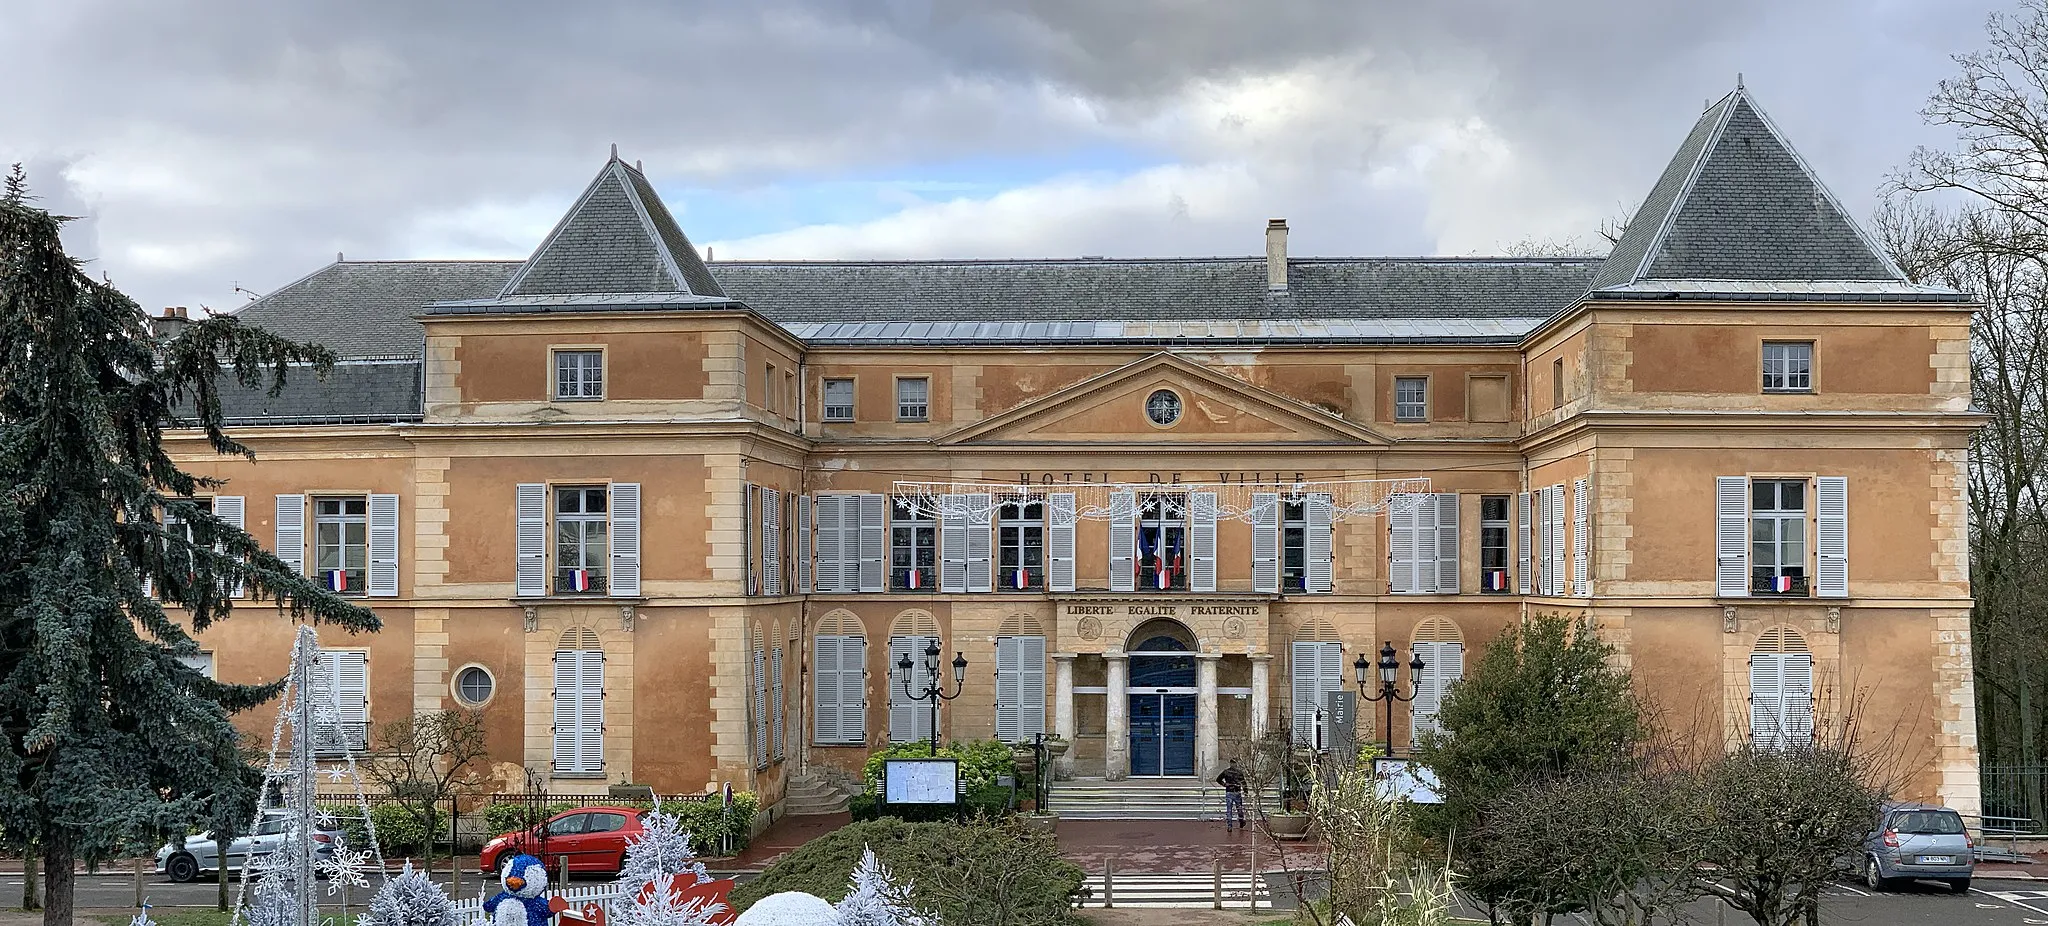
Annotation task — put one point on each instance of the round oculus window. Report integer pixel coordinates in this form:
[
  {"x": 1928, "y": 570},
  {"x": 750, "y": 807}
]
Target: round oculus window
[
  {"x": 474, "y": 685},
  {"x": 1163, "y": 407}
]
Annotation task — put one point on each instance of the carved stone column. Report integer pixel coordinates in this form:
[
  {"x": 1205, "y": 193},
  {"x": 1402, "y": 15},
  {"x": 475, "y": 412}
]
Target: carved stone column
[
  {"x": 1063, "y": 711},
  {"x": 1116, "y": 743},
  {"x": 1207, "y": 766}
]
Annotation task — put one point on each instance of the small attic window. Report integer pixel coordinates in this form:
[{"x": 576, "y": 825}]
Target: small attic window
[{"x": 579, "y": 375}]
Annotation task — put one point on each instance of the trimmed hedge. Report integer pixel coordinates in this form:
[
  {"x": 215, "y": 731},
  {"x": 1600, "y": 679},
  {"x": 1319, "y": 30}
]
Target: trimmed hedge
[
  {"x": 983, "y": 873},
  {"x": 981, "y": 761}
]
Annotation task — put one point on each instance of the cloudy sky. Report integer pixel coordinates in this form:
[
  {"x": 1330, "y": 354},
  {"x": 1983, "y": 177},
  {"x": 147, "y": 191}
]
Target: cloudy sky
[{"x": 245, "y": 142}]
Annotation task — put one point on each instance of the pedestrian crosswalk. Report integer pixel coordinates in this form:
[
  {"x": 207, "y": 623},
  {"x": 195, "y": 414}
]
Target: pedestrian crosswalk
[{"x": 1186, "y": 889}]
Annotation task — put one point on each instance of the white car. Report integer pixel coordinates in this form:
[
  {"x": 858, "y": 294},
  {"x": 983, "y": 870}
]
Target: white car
[{"x": 200, "y": 856}]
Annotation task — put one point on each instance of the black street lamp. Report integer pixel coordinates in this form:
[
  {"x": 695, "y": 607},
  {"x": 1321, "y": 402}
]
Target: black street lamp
[
  {"x": 934, "y": 690},
  {"x": 1390, "y": 690}
]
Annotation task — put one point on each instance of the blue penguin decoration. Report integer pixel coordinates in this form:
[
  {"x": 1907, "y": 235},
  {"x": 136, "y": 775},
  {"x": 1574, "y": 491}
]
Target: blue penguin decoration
[{"x": 522, "y": 902}]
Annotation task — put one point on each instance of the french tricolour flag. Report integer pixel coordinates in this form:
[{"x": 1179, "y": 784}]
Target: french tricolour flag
[
  {"x": 913, "y": 578},
  {"x": 1496, "y": 580},
  {"x": 1781, "y": 584},
  {"x": 1022, "y": 578},
  {"x": 579, "y": 580},
  {"x": 337, "y": 580}
]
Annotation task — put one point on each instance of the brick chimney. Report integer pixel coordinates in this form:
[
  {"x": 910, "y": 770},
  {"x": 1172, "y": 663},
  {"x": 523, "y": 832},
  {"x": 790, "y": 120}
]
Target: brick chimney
[
  {"x": 1276, "y": 256},
  {"x": 170, "y": 321}
]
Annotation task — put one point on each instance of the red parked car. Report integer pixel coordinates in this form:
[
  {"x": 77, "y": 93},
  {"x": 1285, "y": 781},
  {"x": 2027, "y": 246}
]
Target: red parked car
[{"x": 592, "y": 839}]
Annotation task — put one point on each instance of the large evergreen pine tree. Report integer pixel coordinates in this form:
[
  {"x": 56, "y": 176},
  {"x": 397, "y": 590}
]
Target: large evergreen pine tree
[{"x": 106, "y": 737}]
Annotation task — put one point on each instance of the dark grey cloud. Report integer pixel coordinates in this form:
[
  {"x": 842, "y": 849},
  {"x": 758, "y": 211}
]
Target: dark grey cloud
[{"x": 246, "y": 140}]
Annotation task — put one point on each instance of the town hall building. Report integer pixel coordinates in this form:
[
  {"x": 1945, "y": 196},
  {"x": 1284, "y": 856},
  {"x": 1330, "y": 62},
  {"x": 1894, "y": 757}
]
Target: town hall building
[{"x": 673, "y": 521}]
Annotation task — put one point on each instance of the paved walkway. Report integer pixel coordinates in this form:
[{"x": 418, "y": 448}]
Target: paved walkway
[{"x": 1171, "y": 846}]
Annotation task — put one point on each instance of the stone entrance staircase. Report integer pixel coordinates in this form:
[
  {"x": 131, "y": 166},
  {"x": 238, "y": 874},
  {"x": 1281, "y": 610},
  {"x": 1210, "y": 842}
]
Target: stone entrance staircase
[
  {"x": 1143, "y": 799},
  {"x": 811, "y": 793}
]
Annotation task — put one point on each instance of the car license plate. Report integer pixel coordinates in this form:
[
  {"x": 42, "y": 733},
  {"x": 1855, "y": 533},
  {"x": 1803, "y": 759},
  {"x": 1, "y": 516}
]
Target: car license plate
[{"x": 1937, "y": 860}]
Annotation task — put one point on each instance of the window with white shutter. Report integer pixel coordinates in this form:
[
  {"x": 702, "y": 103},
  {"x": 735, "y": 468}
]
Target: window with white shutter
[
  {"x": 1266, "y": 543},
  {"x": 910, "y": 721},
  {"x": 1061, "y": 514},
  {"x": 1020, "y": 688},
  {"x": 839, "y": 677},
  {"x": 531, "y": 505},
  {"x": 1201, "y": 541},
  {"x": 579, "y": 705},
  {"x": 383, "y": 546},
  {"x": 1422, "y": 544},
  {"x": 1404, "y": 511},
  {"x": 1731, "y": 536},
  {"x": 1780, "y": 692},
  {"x": 873, "y": 540},
  {"x": 1523, "y": 558},
  {"x": 980, "y": 536},
  {"x": 1316, "y": 669},
  {"x": 910, "y": 549},
  {"x": 291, "y": 532},
  {"x": 803, "y": 541},
  {"x": 230, "y": 509},
  {"x": 771, "y": 541},
  {"x": 1447, "y": 543},
  {"x": 1581, "y": 528},
  {"x": 1123, "y": 541},
  {"x": 778, "y": 709},
  {"x": 838, "y": 545},
  {"x": 341, "y": 684},
  {"x": 1443, "y": 663},
  {"x": 1321, "y": 517},
  {"x": 1831, "y": 536},
  {"x": 760, "y": 713}
]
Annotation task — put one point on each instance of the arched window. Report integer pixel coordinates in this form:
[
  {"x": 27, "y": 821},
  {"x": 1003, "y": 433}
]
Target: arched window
[
  {"x": 839, "y": 666},
  {"x": 909, "y": 635},
  {"x": 1316, "y": 668},
  {"x": 1780, "y": 691},
  {"x": 1020, "y": 679},
  {"x": 1442, "y": 649},
  {"x": 579, "y": 703}
]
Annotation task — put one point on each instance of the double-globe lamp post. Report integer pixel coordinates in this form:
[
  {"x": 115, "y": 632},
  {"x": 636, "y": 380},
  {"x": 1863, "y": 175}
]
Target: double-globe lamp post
[
  {"x": 934, "y": 689},
  {"x": 1390, "y": 690}
]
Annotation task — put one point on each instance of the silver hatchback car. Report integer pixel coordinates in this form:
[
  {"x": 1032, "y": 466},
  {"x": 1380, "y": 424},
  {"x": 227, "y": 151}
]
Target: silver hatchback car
[
  {"x": 1915, "y": 842},
  {"x": 201, "y": 856}
]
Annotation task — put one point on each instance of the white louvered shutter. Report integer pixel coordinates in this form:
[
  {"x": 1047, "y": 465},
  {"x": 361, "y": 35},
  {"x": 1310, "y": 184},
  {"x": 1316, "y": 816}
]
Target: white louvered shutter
[
  {"x": 1317, "y": 669},
  {"x": 835, "y": 561},
  {"x": 825, "y": 681},
  {"x": 383, "y": 544},
  {"x": 804, "y": 585},
  {"x": 1059, "y": 541},
  {"x": 1402, "y": 510},
  {"x": 874, "y": 541},
  {"x": 1442, "y": 665},
  {"x": 1731, "y": 536},
  {"x": 981, "y": 539},
  {"x": 567, "y": 665},
  {"x": 291, "y": 532},
  {"x": 1030, "y": 686},
  {"x": 1123, "y": 541},
  {"x": 1266, "y": 542},
  {"x": 777, "y": 707},
  {"x": 352, "y": 695},
  {"x": 1522, "y": 539},
  {"x": 1447, "y": 543},
  {"x": 1007, "y": 680},
  {"x": 853, "y": 690},
  {"x": 1202, "y": 541},
  {"x": 909, "y": 721},
  {"x": 1317, "y": 516},
  {"x": 760, "y": 723},
  {"x": 1543, "y": 569},
  {"x": 771, "y": 542},
  {"x": 532, "y": 507},
  {"x": 625, "y": 537},
  {"x": 1831, "y": 536},
  {"x": 590, "y": 745},
  {"x": 230, "y": 509},
  {"x": 1581, "y": 526},
  {"x": 1559, "y": 553},
  {"x": 952, "y": 543},
  {"x": 1766, "y": 705},
  {"x": 1795, "y": 693}
]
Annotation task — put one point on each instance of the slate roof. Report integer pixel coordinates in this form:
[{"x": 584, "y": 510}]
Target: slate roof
[
  {"x": 1737, "y": 203},
  {"x": 618, "y": 238},
  {"x": 381, "y": 391},
  {"x": 1171, "y": 332},
  {"x": 365, "y": 309}
]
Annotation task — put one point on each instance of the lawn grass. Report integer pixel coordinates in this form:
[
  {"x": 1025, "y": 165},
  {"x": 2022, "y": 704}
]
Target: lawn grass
[{"x": 182, "y": 916}]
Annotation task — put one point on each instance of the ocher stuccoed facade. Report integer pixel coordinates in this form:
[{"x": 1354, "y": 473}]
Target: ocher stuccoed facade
[{"x": 1286, "y": 371}]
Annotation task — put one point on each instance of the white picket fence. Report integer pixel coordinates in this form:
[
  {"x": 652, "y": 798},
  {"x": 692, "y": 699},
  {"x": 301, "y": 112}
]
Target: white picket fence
[{"x": 472, "y": 910}]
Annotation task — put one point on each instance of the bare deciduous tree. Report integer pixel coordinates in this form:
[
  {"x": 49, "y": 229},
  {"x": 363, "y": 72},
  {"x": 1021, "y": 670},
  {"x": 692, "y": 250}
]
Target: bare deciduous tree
[{"x": 429, "y": 760}]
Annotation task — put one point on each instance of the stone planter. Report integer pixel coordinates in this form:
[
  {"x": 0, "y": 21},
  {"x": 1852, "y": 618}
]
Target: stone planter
[
  {"x": 1287, "y": 825},
  {"x": 1040, "y": 821}
]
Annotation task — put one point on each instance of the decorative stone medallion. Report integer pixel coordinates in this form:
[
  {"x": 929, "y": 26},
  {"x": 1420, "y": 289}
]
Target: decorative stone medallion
[
  {"x": 1233, "y": 629},
  {"x": 1089, "y": 629}
]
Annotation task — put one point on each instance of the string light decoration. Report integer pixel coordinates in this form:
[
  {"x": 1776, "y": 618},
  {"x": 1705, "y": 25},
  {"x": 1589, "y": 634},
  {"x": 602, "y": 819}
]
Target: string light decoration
[
  {"x": 1348, "y": 499},
  {"x": 281, "y": 888}
]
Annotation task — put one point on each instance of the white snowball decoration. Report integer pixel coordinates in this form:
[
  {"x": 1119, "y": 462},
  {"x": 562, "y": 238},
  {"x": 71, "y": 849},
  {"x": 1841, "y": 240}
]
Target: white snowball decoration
[
  {"x": 789, "y": 908},
  {"x": 410, "y": 899},
  {"x": 873, "y": 899}
]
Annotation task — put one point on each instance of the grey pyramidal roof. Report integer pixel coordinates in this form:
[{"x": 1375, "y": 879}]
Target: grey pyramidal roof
[
  {"x": 1737, "y": 203},
  {"x": 618, "y": 238}
]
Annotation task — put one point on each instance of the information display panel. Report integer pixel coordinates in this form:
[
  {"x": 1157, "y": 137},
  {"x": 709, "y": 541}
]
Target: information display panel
[{"x": 921, "y": 781}]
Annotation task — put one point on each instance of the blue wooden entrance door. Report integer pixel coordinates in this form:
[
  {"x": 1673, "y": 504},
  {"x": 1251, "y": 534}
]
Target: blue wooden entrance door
[{"x": 1162, "y": 713}]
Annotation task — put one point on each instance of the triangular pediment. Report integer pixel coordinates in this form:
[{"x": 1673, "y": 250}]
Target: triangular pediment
[{"x": 1213, "y": 408}]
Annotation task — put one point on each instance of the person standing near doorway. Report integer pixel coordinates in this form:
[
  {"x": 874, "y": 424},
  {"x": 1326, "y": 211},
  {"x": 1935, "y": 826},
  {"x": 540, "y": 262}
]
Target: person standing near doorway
[{"x": 1232, "y": 781}]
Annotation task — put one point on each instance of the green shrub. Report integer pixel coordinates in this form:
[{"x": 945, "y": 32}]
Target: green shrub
[
  {"x": 981, "y": 873},
  {"x": 981, "y": 761},
  {"x": 400, "y": 829}
]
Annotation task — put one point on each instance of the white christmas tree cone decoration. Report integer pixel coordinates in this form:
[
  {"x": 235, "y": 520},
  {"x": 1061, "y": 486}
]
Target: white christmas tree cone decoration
[
  {"x": 411, "y": 899},
  {"x": 659, "y": 867},
  {"x": 660, "y": 903},
  {"x": 873, "y": 899}
]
